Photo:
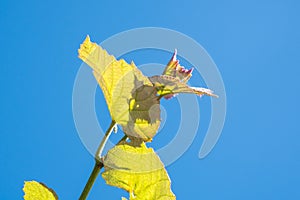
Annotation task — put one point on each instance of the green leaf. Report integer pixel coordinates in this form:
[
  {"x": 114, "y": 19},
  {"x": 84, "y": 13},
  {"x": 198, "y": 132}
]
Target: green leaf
[
  {"x": 138, "y": 170},
  {"x": 38, "y": 191}
]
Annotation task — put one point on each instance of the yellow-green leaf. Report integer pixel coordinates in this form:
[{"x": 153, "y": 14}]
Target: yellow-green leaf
[
  {"x": 130, "y": 96},
  {"x": 37, "y": 191},
  {"x": 138, "y": 170}
]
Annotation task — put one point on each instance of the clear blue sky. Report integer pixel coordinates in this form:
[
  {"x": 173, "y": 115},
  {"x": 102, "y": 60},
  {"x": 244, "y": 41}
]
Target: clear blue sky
[{"x": 255, "y": 45}]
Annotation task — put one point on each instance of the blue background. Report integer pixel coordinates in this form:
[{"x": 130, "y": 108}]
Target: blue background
[{"x": 255, "y": 45}]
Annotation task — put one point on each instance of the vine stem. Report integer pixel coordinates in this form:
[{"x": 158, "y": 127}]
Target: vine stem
[
  {"x": 91, "y": 181},
  {"x": 98, "y": 164},
  {"x": 104, "y": 140}
]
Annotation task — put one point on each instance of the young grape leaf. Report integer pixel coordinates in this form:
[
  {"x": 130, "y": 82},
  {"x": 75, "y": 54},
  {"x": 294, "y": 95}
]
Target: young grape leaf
[
  {"x": 138, "y": 170},
  {"x": 174, "y": 69},
  {"x": 169, "y": 86},
  {"x": 174, "y": 79},
  {"x": 38, "y": 191}
]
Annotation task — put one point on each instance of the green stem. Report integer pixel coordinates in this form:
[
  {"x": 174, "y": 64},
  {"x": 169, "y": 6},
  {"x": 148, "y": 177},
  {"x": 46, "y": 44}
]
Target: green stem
[
  {"x": 91, "y": 181},
  {"x": 98, "y": 164}
]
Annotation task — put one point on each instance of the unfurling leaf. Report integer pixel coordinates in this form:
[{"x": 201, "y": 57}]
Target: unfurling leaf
[
  {"x": 37, "y": 191},
  {"x": 174, "y": 79},
  {"x": 167, "y": 86},
  {"x": 174, "y": 69},
  {"x": 138, "y": 170}
]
